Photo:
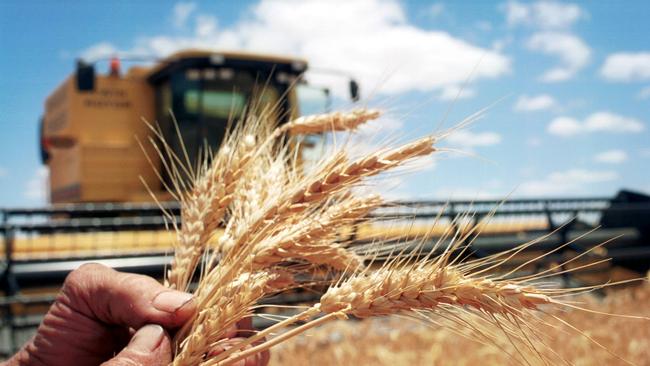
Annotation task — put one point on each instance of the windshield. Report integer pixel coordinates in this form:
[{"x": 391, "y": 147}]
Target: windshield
[
  {"x": 205, "y": 102},
  {"x": 215, "y": 104}
]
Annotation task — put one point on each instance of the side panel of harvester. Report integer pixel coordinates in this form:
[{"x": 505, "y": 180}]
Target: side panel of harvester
[{"x": 91, "y": 139}]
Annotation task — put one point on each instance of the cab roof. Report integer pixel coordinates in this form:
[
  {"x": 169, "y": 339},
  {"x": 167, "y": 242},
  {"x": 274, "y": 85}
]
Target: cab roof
[{"x": 238, "y": 59}]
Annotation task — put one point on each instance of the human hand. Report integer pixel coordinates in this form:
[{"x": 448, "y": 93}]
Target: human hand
[{"x": 105, "y": 317}]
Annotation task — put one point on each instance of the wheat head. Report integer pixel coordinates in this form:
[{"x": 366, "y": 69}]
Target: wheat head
[{"x": 328, "y": 122}]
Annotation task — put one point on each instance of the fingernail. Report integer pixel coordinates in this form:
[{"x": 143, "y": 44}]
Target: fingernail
[
  {"x": 171, "y": 301},
  {"x": 147, "y": 338}
]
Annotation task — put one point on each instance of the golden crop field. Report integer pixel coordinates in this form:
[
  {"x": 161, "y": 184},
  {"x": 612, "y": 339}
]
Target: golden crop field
[{"x": 399, "y": 341}]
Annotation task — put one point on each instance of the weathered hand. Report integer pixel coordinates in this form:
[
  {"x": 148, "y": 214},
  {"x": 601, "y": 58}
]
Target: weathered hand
[{"x": 105, "y": 317}]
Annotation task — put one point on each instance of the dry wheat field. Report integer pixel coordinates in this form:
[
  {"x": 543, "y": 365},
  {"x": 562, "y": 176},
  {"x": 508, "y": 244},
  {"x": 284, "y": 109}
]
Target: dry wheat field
[
  {"x": 282, "y": 221},
  {"x": 394, "y": 341}
]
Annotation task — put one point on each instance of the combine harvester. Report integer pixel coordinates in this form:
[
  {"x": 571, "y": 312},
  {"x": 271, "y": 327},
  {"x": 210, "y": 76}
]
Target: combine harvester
[{"x": 102, "y": 212}]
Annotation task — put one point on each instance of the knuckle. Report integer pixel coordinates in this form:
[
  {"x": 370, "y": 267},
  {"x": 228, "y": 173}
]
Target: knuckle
[
  {"x": 134, "y": 281},
  {"x": 137, "y": 287},
  {"x": 83, "y": 273},
  {"x": 78, "y": 280}
]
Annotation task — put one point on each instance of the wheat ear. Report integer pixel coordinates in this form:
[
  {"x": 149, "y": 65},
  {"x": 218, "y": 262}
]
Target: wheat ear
[
  {"x": 424, "y": 288},
  {"x": 206, "y": 204},
  {"x": 419, "y": 287},
  {"x": 312, "y": 238},
  {"x": 336, "y": 176},
  {"x": 328, "y": 122},
  {"x": 201, "y": 213}
]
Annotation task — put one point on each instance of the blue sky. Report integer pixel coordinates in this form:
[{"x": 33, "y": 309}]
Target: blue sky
[{"x": 571, "y": 80}]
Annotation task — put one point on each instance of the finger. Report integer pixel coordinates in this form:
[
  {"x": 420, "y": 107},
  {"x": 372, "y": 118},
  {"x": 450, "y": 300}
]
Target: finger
[
  {"x": 245, "y": 327},
  {"x": 150, "y": 346},
  {"x": 124, "y": 299},
  {"x": 265, "y": 357}
]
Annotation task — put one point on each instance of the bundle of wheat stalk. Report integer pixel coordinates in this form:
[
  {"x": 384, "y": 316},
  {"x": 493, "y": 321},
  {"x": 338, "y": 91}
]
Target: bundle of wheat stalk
[{"x": 281, "y": 220}]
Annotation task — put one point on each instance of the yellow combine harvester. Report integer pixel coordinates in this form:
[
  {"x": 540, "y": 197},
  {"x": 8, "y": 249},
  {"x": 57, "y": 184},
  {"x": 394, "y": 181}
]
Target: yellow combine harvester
[
  {"x": 92, "y": 125},
  {"x": 92, "y": 122}
]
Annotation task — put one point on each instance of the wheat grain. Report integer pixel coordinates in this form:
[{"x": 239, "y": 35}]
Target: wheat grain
[
  {"x": 232, "y": 303},
  {"x": 204, "y": 207},
  {"x": 418, "y": 287},
  {"x": 311, "y": 238},
  {"x": 335, "y": 176},
  {"x": 336, "y": 121},
  {"x": 425, "y": 287},
  {"x": 201, "y": 213}
]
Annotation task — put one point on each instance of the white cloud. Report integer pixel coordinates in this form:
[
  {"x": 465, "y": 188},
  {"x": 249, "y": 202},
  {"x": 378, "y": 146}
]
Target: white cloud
[
  {"x": 535, "y": 103},
  {"x": 424, "y": 164},
  {"x": 611, "y": 157},
  {"x": 36, "y": 187},
  {"x": 382, "y": 127},
  {"x": 543, "y": 14},
  {"x": 627, "y": 67},
  {"x": 453, "y": 92},
  {"x": 517, "y": 13},
  {"x": 205, "y": 25},
  {"x": 466, "y": 193},
  {"x": 469, "y": 139},
  {"x": 3, "y": 172},
  {"x": 502, "y": 43},
  {"x": 99, "y": 51},
  {"x": 644, "y": 93},
  {"x": 596, "y": 122},
  {"x": 552, "y": 21},
  {"x": 572, "y": 181},
  {"x": 181, "y": 13},
  {"x": 572, "y": 51},
  {"x": 370, "y": 39},
  {"x": 489, "y": 189},
  {"x": 565, "y": 126},
  {"x": 606, "y": 121}
]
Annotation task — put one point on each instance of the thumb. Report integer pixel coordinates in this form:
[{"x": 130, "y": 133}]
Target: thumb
[{"x": 150, "y": 346}]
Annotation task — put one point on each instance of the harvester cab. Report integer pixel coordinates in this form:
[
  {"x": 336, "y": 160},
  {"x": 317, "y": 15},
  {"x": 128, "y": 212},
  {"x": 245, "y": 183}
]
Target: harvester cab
[{"x": 92, "y": 122}]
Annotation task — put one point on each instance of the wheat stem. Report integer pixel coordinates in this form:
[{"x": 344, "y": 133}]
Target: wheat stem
[
  {"x": 305, "y": 315},
  {"x": 277, "y": 340}
]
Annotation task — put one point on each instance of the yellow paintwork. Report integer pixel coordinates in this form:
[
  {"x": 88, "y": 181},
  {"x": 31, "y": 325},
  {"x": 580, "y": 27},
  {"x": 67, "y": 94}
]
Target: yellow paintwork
[
  {"x": 138, "y": 242},
  {"x": 101, "y": 159},
  {"x": 94, "y": 151}
]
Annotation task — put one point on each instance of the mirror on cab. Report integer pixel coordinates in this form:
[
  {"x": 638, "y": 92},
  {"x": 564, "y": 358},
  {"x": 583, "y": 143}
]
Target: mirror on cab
[
  {"x": 85, "y": 76},
  {"x": 354, "y": 90}
]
